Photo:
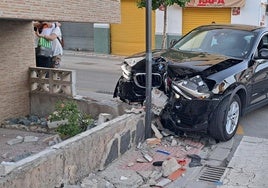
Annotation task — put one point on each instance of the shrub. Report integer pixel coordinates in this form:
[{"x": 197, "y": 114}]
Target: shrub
[{"x": 77, "y": 121}]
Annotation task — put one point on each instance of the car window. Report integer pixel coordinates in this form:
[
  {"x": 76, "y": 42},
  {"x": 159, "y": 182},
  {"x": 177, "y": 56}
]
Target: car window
[
  {"x": 262, "y": 44},
  {"x": 194, "y": 43},
  {"x": 228, "y": 42}
]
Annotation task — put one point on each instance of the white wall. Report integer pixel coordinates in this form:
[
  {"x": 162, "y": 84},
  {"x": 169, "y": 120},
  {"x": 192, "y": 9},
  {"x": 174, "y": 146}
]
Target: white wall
[
  {"x": 174, "y": 17},
  {"x": 249, "y": 14}
]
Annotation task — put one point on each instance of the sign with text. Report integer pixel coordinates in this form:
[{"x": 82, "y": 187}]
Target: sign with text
[{"x": 216, "y": 3}]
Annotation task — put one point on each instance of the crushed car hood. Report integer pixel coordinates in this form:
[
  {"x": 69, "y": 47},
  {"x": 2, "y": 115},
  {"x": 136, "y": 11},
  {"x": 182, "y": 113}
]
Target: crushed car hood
[{"x": 183, "y": 63}]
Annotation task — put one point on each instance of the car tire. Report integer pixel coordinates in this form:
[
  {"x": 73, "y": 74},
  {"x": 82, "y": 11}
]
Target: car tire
[{"x": 225, "y": 119}]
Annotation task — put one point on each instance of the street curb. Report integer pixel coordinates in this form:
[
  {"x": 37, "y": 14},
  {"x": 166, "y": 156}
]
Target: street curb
[{"x": 92, "y": 54}]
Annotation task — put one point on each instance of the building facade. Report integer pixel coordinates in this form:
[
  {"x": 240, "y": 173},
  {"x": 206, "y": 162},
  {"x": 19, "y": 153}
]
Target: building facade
[
  {"x": 17, "y": 52},
  {"x": 128, "y": 37},
  {"x": 201, "y": 12}
]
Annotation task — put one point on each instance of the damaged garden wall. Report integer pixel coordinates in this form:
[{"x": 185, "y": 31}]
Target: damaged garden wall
[
  {"x": 73, "y": 159},
  {"x": 43, "y": 104}
]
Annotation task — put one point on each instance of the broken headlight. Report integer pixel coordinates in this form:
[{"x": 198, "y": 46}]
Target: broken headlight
[
  {"x": 192, "y": 88},
  {"x": 126, "y": 72},
  {"x": 133, "y": 61}
]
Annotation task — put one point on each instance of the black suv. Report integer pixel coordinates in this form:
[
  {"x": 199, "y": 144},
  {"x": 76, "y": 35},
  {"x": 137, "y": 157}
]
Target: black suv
[{"x": 207, "y": 79}]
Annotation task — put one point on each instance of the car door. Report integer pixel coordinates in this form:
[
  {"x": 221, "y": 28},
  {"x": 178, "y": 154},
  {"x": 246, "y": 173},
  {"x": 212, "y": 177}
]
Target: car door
[{"x": 260, "y": 74}]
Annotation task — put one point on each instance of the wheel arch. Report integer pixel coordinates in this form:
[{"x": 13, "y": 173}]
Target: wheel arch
[{"x": 241, "y": 91}]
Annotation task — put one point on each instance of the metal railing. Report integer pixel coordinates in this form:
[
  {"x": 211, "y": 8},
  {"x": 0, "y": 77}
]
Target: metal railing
[{"x": 52, "y": 81}]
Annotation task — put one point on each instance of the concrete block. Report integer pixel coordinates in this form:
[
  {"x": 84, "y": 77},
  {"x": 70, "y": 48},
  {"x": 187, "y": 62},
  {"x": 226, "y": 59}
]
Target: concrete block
[
  {"x": 56, "y": 124},
  {"x": 6, "y": 167},
  {"x": 169, "y": 166},
  {"x": 156, "y": 132},
  {"x": 104, "y": 117},
  {"x": 30, "y": 139},
  {"x": 15, "y": 141}
]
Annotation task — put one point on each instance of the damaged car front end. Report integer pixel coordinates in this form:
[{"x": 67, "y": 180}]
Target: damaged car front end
[
  {"x": 202, "y": 83},
  {"x": 131, "y": 85},
  {"x": 190, "y": 105}
]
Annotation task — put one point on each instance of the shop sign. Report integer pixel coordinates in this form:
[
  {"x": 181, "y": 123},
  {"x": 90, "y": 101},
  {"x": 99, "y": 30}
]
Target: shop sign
[{"x": 216, "y": 3}]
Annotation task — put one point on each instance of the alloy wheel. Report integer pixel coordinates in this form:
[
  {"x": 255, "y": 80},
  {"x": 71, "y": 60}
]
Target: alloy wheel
[{"x": 232, "y": 117}]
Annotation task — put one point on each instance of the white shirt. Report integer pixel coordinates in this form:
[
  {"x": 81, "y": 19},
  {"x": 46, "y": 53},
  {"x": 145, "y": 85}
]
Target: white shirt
[{"x": 56, "y": 45}]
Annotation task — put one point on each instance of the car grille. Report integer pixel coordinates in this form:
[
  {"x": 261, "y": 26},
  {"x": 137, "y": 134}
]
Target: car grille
[{"x": 140, "y": 80}]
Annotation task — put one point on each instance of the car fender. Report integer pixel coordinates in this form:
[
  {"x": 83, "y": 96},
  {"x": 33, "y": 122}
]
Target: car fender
[{"x": 237, "y": 88}]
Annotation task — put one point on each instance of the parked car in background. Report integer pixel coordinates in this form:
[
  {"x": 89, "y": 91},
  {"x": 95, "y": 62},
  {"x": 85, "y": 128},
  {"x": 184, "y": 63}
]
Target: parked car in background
[{"x": 206, "y": 80}]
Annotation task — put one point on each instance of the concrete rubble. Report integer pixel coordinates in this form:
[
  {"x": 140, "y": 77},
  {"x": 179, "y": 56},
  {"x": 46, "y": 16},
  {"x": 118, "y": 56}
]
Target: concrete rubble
[{"x": 158, "y": 161}]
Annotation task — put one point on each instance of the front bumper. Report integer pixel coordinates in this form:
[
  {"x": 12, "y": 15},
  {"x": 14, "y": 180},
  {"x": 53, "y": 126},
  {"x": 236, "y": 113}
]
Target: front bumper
[
  {"x": 128, "y": 91},
  {"x": 188, "y": 115}
]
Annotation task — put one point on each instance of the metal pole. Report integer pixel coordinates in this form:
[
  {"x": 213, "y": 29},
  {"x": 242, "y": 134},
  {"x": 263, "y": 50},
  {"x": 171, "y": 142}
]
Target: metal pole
[{"x": 148, "y": 115}]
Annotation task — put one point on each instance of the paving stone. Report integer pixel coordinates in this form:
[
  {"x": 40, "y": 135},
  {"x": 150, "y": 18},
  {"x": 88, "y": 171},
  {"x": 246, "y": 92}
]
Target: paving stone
[
  {"x": 30, "y": 139},
  {"x": 72, "y": 186},
  {"x": 227, "y": 145},
  {"x": 212, "y": 162},
  {"x": 163, "y": 182},
  {"x": 112, "y": 175},
  {"x": 199, "y": 184},
  {"x": 15, "y": 141},
  {"x": 219, "y": 154}
]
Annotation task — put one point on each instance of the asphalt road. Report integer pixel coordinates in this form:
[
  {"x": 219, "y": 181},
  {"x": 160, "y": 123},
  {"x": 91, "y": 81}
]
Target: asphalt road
[
  {"x": 94, "y": 74},
  {"x": 255, "y": 123}
]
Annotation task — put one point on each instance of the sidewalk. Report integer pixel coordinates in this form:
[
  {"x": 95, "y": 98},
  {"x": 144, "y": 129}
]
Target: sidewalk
[
  {"x": 249, "y": 165},
  {"x": 247, "y": 168}
]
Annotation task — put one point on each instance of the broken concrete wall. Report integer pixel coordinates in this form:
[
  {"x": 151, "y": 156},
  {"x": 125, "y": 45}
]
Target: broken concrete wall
[
  {"x": 72, "y": 159},
  {"x": 43, "y": 104}
]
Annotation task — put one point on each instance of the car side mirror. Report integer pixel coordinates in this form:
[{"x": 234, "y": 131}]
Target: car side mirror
[{"x": 263, "y": 53}]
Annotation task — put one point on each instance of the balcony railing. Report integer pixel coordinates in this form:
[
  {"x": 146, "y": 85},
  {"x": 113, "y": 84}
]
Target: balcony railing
[{"x": 52, "y": 81}]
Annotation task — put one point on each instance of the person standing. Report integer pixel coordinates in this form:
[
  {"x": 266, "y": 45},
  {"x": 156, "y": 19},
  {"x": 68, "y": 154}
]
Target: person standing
[
  {"x": 57, "y": 46},
  {"x": 57, "y": 49},
  {"x": 43, "y": 46}
]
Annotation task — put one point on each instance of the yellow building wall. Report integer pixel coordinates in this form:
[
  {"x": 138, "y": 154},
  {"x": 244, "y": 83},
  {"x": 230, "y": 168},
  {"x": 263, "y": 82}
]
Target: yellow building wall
[{"x": 129, "y": 36}]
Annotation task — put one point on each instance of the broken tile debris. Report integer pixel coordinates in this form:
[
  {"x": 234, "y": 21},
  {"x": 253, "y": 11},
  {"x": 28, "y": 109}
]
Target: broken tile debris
[
  {"x": 169, "y": 166},
  {"x": 164, "y": 157}
]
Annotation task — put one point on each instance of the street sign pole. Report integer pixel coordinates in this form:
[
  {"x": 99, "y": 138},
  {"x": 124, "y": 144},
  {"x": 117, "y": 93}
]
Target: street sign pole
[{"x": 148, "y": 115}]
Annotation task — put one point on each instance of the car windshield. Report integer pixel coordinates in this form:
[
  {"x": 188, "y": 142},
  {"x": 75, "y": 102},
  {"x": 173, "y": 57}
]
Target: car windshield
[{"x": 228, "y": 42}]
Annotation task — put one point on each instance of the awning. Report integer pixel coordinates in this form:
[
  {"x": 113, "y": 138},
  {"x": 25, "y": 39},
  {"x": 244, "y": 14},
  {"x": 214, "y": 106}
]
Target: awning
[{"x": 216, "y": 3}]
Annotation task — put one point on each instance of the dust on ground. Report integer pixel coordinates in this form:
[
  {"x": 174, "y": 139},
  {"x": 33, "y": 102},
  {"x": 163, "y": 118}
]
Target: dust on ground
[{"x": 13, "y": 153}]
